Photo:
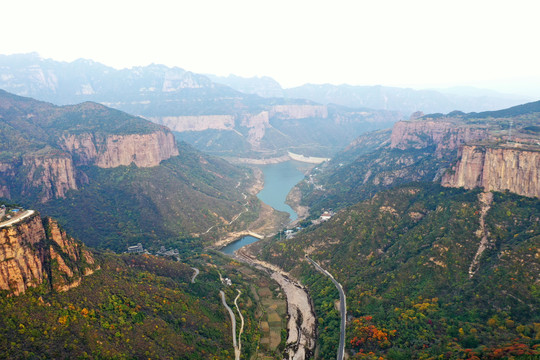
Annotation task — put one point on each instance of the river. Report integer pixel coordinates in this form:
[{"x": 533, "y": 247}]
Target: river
[{"x": 279, "y": 179}]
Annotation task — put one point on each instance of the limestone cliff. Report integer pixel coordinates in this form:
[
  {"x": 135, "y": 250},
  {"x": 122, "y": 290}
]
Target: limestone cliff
[
  {"x": 7, "y": 171},
  {"x": 507, "y": 167},
  {"x": 299, "y": 111},
  {"x": 108, "y": 151},
  {"x": 21, "y": 261},
  {"x": 444, "y": 135},
  {"x": 257, "y": 125},
  {"x": 52, "y": 174},
  {"x": 196, "y": 123},
  {"x": 33, "y": 252}
]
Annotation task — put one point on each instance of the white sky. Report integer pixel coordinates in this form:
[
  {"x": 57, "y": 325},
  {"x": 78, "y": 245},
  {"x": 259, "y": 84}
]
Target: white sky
[{"x": 389, "y": 42}]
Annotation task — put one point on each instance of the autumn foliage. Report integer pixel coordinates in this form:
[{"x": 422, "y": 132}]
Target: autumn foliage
[{"x": 366, "y": 336}]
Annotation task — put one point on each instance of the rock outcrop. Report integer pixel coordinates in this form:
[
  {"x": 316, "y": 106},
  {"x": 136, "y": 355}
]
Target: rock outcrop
[
  {"x": 51, "y": 174},
  {"x": 257, "y": 125},
  {"x": 145, "y": 150},
  {"x": 498, "y": 168},
  {"x": 443, "y": 135},
  {"x": 196, "y": 123},
  {"x": 21, "y": 261},
  {"x": 33, "y": 252},
  {"x": 299, "y": 111}
]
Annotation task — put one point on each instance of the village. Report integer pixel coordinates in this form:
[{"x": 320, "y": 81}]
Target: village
[{"x": 139, "y": 249}]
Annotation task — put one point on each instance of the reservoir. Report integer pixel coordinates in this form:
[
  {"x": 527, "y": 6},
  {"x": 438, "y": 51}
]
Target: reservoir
[
  {"x": 232, "y": 247},
  {"x": 279, "y": 179}
]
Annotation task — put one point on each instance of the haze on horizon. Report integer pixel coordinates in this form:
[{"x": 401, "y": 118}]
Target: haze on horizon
[{"x": 417, "y": 43}]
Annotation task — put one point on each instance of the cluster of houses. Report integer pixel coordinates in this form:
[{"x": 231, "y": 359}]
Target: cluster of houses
[
  {"x": 138, "y": 249},
  {"x": 325, "y": 216}
]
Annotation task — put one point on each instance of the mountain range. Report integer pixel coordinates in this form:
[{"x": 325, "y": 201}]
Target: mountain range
[
  {"x": 213, "y": 117},
  {"x": 235, "y": 116},
  {"x": 432, "y": 229},
  {"x": 113, "y": 179},
  {"x": 404, "y": 100}
]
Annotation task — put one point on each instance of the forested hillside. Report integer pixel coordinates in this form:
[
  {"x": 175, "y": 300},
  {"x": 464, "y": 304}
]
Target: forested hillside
[
  {"x": 113, "y": 179},
  {"x": 425, "y": 149},
  {"x": 429, "y": 271}
]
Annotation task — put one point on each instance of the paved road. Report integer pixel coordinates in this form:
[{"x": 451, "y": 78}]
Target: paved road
[
  {"x": 342, "y": 309},
  {"x": 233, "y": 321},
  {"x": 241, "y": 321},
  {"x": 24, "y": 215}
]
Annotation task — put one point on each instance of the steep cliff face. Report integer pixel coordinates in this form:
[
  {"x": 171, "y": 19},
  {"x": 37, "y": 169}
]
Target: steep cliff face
[
  {"x": 7, "y": 171},
  {"x": 497, "y": 168},
  {"x": 145, "y": 150},
  {"x": 299, "y": 111},
  {"x": 64, "y": 250},
  {"x": 32, "y": 254},
  {"x": 196, "y": 123},
  {"x": 52, "y": 174},
  {"x": 43, "y": 145},
  {"x": 21, "y": 260},
  {"x": 257, "y": 125},
  {"x": 444, "y": 135}
]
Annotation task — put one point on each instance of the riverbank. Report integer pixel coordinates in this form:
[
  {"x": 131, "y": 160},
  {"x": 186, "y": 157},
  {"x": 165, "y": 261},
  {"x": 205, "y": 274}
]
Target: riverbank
[
  {"x": 293, "y": 200},
  {"x": 269, "y": 221}
]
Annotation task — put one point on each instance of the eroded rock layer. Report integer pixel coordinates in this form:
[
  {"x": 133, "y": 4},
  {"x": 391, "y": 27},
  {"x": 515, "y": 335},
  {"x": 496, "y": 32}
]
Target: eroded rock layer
[
  {"x": 34, "y": 252},
  {"x": 497, "y": 168}
]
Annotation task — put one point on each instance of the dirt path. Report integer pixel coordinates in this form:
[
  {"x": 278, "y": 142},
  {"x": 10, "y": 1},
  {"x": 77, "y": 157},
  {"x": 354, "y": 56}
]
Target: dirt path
[{"x": 194, "y": 275}]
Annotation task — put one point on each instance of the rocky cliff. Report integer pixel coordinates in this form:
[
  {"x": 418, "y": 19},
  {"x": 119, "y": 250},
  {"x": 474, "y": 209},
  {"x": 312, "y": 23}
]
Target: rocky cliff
[
  {"x": 35, "y": 252},
  {"x": 196, "y": 123},
  {"x": 257, "y": 125},
  {"x": 443, "y": 135},
  {"x": 108, "y": 151},
  {"x": 43, "y": 145},
  {"x": 509, "y": 167},
  {"x": 51, "y": 174},
  {"x": 299, "y": 111}
]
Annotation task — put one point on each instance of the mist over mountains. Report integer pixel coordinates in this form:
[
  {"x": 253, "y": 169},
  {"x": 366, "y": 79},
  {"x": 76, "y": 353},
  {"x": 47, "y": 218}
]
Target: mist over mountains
[{"x": 405, "y": 100}]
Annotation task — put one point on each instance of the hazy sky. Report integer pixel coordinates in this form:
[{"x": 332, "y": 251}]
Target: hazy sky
[{"x": 389, "y": 42}]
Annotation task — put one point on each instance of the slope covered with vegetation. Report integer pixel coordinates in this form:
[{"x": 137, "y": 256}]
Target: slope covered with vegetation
[
  {"x": 135, "y": 307},
  {"x": 417, "y": 284},
  {"x": 428, "y": 148},
  {"x": 165, "y": 205},
  {"x": 109, "y": 204}
]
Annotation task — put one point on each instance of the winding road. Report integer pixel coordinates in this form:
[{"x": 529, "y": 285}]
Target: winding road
[
  {"x": 342, "y": 308},
  {"x": 241, "y": 321},
  {"x": 20, "y": 217},
  {"x": 233, "y": 321}
]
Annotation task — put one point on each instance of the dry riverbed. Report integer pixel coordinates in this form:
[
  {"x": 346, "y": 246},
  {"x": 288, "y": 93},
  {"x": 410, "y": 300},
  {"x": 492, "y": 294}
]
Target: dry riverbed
[{"x": 301, "y": 326}]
